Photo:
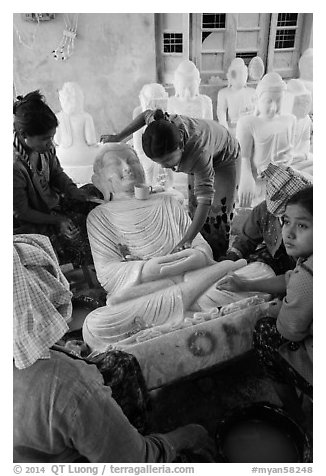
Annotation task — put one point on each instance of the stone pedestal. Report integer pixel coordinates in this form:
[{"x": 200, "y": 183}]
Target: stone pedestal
[{"x": 169, "y": 357}]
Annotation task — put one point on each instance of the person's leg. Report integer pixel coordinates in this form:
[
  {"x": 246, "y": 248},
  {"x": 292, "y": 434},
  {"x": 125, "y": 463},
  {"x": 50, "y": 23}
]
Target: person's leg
[
  {"x": 266, "y": 341},
  {"x": 217, "y": 228}
]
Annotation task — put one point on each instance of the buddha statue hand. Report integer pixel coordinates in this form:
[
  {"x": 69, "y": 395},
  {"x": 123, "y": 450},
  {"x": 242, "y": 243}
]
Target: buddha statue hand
[
  {"x": 109, "y": 138},
  {"x": 173, "y": 265}
]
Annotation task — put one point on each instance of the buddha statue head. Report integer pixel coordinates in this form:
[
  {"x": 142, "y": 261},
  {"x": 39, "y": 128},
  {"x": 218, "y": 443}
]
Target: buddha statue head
[
  {"x": 71, "y": 98},
  {"x": 186, "y": 80},
  {"x": 237, "y": 74},
  {"x": 269, "y": 95},
  {"x": 306, "y": 65},
  {"x": 153, "y": 96},
  {"x": 297, "y": 99},
  {"x": 116, "y": 170},
  {"x": 256, "y": 68}
]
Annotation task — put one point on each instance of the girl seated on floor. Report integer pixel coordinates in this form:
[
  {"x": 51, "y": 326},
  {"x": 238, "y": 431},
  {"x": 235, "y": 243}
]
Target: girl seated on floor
[
  {"x": 46, "y": 200},
  {"x": 285, "y": 344}
]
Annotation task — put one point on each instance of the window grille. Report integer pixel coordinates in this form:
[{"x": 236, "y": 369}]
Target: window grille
[
  {"x": 172, "y": 43},
  {"x": 287, "y": 19},
  {"x": 286, "y": 30},
  {"x": 213, "y": 20}
]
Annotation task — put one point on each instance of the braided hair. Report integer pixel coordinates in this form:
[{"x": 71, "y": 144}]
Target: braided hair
[
  {"x": 32, "y": 115},
  {"x": 161, "y": 136}
]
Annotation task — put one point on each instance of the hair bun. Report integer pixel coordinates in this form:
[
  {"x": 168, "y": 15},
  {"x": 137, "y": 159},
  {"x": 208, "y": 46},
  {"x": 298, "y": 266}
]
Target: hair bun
[{"x": 159, "y": 114}]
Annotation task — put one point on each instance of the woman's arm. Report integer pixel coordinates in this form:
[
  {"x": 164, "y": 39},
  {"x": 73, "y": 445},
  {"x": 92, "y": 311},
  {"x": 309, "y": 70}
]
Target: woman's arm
[
  {"x": 134, "y": 126},
  {"x": 197, "y": 223}
]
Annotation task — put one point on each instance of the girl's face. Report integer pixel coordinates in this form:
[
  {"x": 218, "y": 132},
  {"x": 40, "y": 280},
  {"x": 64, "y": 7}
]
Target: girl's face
[
  {"x": 297, "y": 231},
  {"x": 170, "y": 160},
  {"x": 41, "y": 143},
  {"x": 269, "y": 104}
]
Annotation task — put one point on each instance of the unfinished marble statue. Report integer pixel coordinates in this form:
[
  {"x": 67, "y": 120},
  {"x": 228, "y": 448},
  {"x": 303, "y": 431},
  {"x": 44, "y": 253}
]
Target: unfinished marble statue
[
  {"x": 237, "y": 99},
  {"x": 151, "y": 96},
  {"x": 131, "y": 242},
  {"x": 306, "y": 72},
  {"x": 187, "y": 100},
  {"x": 297, "y": 100},
  {"x": 266, "y": 136},
  {"x": 75, "y": 138},
  {"x": 256, "y": 68}
]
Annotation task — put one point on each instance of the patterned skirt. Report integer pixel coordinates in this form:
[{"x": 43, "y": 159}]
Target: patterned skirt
[{"x": 267, "y": 341}]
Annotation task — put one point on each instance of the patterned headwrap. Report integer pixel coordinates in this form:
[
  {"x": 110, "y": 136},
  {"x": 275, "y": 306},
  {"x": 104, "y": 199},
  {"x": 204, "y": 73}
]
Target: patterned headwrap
[
  {"x": 281, "y": 184},
  {"x": 42, "y": 300}
]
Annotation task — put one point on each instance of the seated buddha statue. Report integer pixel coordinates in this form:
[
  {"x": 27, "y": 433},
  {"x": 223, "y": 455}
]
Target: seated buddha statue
[
  {"x": 297, "y": 101},
  {"x": 187, "y": 100},
  {"x": 306, "y": 72},
  {"x": 266, "y": 136},
  {"x": 236, "y": 99},
  {"x": 147, "y": 286},
  {"x": 151, "y": 96},
  {"x": 75, "y": 137}
]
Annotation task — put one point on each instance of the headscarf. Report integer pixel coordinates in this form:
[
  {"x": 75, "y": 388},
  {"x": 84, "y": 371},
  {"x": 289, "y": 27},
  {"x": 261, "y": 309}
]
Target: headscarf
[
  {"x": 281, "y": 184},
  {"x": 42, "y": 300}
]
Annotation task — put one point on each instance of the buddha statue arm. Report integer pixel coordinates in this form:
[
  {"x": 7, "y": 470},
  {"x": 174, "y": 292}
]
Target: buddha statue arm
[
  {"x": 247, "y": 182},
  {"x": 221, "y": 109},
  {"x": 208, "y": 107},
  {"x": 89, "y": 130}
]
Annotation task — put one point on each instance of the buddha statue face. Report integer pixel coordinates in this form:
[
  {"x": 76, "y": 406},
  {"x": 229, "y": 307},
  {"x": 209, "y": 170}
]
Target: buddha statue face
[
  {"x": 237, "y": 74},
  {"x": 116, "y": 170},
  {"x": 186, "y": 80},
  {"x": 153, "y": 96},
  {"x": 297, "y": 99},
  {"x": 71, "y": 98},
  {"x": 269, "y": 104}
]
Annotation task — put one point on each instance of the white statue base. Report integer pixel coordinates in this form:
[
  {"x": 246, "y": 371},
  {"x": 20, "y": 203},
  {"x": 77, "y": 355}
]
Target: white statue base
[{"x": 184, "y": 352}]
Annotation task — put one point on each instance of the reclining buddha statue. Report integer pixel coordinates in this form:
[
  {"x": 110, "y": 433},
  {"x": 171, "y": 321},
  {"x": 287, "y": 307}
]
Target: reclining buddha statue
[{"x": 147, "y": 286}]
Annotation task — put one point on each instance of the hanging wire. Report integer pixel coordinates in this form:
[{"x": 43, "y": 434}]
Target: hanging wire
[{"x": 20, "y": 37}]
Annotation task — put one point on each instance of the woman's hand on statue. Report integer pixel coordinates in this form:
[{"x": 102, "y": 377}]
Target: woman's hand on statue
[
  {"x": 109, "y": 138},
  {"x": 182, "y": 245},
  {"x": 232, "y": 282},
  {"x": 68, "y": 229},
  {"x": 246, "y": 191}
]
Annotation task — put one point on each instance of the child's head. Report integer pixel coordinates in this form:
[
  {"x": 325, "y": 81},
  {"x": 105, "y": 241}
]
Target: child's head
[
  {"x": 297, "y": 231},
  {"x": 162, "y": 141},
  {"x": 34, "y": 121}
]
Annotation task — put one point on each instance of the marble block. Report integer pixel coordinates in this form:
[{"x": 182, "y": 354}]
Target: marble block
[{"x": 183, "y": 352}]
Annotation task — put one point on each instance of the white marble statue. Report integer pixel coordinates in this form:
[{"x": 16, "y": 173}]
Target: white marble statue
[
  {"x": 151, "y": 96},
  {"x": 266, "y": 136},
  {"x": 75, "y": 138},
  {"x": 131, "y": 242},
  {"x": 256, "y": 68},
  {"x": 306, "y": 72},
  {"x": 187, "y": 100},
  {"x": 297, "y": 100},
  {"x": 237, "y": 99}
]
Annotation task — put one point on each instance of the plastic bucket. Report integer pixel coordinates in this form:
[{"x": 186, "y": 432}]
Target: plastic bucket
[{"x": 262, "y": 433}]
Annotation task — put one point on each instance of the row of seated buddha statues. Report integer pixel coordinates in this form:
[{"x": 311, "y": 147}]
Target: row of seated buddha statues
[{"x": 272, "y": 123}]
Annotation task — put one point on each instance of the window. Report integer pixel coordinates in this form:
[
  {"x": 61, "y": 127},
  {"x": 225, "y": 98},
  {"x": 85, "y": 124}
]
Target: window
[
  {"x": 172, "y": 43},
  {"x": 213, "y": 20},
  {"x": 286, "y": 30}
]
